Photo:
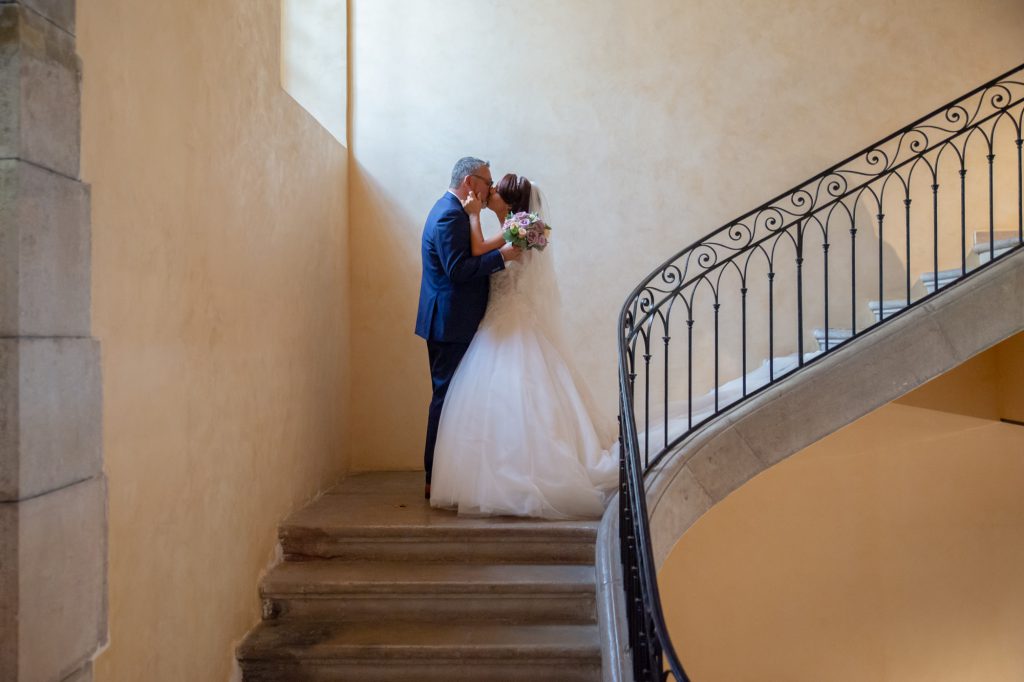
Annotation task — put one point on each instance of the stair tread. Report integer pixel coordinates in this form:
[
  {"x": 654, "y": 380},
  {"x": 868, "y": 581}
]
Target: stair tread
[
  {"x": 324, "y": 641},
  {"x": 1004, "y": 240},
  {"x": 394, "y": 513},
  {"x": 951, "y": 272},
  {"x": 339, "y": 577}
]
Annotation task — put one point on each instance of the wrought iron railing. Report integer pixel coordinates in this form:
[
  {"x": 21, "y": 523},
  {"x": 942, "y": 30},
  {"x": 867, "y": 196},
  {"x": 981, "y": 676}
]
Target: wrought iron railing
[{"x": 749, "y": 290}]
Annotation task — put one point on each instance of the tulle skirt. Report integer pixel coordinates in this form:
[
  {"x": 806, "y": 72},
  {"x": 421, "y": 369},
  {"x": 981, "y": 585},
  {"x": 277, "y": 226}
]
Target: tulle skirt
[{"x": 519, "y": 434}]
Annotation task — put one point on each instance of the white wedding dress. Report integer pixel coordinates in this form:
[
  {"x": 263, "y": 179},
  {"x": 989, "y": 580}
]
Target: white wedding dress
[{"x": 519, "y": 433}]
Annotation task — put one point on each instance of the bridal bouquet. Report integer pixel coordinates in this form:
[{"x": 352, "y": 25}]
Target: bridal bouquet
[{"x": 526, "y": 231}]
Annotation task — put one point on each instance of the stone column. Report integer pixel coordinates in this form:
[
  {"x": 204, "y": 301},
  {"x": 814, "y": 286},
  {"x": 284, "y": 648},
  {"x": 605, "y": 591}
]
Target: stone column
[{"x": 53, "y": 526}]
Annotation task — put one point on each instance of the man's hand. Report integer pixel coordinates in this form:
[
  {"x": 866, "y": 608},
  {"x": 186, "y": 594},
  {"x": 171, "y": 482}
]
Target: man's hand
[
  {"x": 509, "y": 252},
  {"x": 471, "y": 204}
]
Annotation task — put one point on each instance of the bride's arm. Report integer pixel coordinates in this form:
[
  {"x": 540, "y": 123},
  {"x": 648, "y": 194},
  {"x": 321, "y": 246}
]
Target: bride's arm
[{"x": 478, "y": 246}]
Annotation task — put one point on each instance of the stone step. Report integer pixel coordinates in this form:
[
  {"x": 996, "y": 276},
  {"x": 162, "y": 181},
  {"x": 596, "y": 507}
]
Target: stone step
[
  {"x": 945, "y": 278},
  {"x": 888, "y": 308},
  {"x": 1004, "y": 241},
  {"x": 835, "y": 337},
  {"x": 382, "y": 517},
  {"x": 981, "y": 237},
  {"x": 436, "y": 652},
  {"x": 430, "y": 591}
]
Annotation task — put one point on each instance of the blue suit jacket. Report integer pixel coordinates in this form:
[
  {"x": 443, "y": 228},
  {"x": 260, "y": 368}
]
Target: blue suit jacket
[{"x": 455, "y": 285}]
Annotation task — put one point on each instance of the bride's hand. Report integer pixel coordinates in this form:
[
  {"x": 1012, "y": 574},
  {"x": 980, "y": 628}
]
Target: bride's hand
[
  {"x": 498, "y": 205},
  {"x": 509, "y": 252},
  {"x": 471, "y": 204}
]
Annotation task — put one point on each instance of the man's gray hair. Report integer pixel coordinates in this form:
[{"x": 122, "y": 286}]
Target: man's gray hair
[{"x": 467, "y": 165}]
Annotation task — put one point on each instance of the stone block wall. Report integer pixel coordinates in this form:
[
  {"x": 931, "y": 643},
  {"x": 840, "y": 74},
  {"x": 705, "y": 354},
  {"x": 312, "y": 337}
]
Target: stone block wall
[{"x": 53, "y": 525}]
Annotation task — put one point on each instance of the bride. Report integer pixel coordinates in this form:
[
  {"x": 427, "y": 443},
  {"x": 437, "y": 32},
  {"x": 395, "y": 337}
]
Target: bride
[{"x": 519, "y": 433}]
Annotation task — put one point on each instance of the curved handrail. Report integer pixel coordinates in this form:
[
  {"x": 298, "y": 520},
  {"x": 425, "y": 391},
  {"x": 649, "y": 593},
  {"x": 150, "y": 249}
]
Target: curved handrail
[{"x": 982, "y": 118}]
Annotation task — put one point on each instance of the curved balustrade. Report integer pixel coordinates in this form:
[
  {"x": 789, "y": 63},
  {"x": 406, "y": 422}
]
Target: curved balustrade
[{"x": 855, "y": 245}]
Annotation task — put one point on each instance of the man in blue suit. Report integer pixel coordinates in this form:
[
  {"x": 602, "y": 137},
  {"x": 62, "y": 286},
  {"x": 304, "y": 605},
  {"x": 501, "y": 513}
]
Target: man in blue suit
[{"x": 455, "y": 285}]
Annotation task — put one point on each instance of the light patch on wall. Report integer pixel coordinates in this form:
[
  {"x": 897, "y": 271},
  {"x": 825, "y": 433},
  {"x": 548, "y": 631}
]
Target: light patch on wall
[{"x": 314, "y": 59}]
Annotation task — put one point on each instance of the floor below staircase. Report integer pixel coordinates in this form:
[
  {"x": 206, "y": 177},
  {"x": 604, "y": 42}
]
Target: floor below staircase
[{"x": 376, "y": 585}]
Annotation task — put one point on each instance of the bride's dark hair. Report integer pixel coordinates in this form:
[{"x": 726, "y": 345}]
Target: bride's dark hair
[{"x": 515, "y": 191}]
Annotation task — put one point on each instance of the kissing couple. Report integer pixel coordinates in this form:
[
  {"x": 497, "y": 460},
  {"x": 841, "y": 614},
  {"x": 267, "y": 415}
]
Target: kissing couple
[{"x": 511, "y": 428}]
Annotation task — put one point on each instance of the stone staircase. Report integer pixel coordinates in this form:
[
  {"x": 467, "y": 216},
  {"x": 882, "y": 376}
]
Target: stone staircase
[
  {"x": 979, "y": 254},
  {"x": 376, "y": 585}
]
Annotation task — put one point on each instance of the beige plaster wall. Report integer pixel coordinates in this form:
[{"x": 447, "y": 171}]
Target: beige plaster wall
[
  {"x": 890, "y": 550},
  {"x": 648, "y": 125},
  {"x": 220, "y": 296}
]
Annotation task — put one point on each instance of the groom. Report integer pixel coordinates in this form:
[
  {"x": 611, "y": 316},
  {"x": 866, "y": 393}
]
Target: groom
[{"x": 455, "y": 285}]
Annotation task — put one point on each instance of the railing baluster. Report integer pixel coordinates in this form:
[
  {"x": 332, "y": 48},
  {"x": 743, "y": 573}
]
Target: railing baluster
[
  {"x": 881, "y": 256},
  {"x": 963, "y": 217},
  {"x": 689, "y": 371},
  {"x": 1020, "y": 189},
  {"x": 647, "y": 401},
  {"x": 716, "y": 306},
  {"x": 771, "y": 326},
  {"x": 743, "y": 298},
  {"x": 906, "y": 204},
  {"x": 824, "y": 257},
  {"x": 935, "y": 236},
  {"x": 664, "y": 420},
  {"x": 853, "y": 277},
  {"x": 800, "y": 294},
  {"x": 991, "y": 206}
]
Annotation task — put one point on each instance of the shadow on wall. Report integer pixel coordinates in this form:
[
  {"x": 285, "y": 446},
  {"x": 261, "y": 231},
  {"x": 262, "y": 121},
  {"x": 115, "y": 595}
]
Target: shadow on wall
[{"x": 388, "y": 238}]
